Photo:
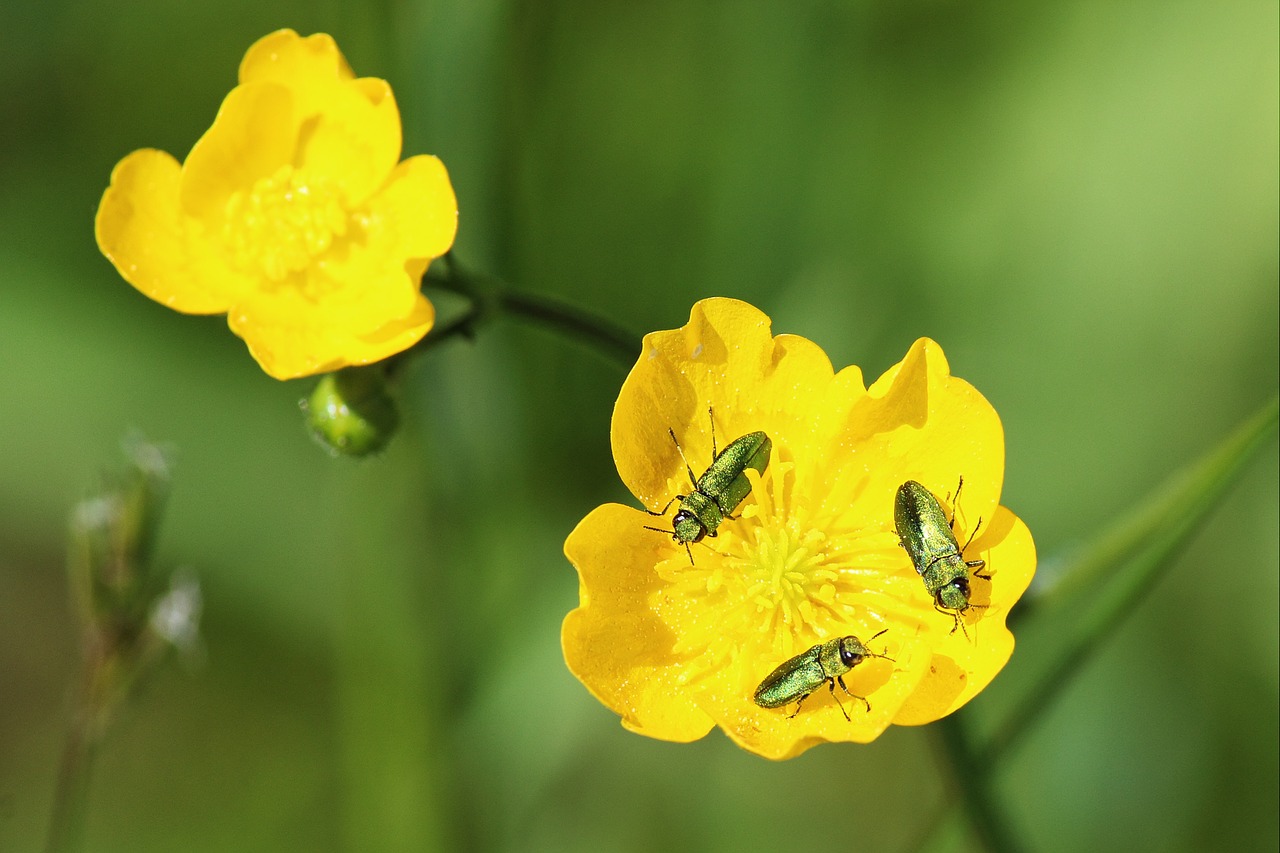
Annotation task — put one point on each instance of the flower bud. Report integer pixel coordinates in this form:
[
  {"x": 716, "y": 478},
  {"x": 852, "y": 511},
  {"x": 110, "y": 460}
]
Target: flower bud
[{"x": 350, "y": 412}]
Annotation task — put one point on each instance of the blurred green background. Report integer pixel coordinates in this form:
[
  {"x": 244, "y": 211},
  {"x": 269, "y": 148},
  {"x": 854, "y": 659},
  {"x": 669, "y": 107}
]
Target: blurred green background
[{"x": 1078, "y": 200}]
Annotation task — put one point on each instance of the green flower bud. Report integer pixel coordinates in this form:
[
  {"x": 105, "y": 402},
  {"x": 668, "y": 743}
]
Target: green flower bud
[{"x": 350, "y": 412}]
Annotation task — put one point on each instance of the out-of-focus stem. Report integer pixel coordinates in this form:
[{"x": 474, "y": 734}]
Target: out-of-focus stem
[
  {"x": 71, "y": 796},
  {"x": 973, "y": 786}
]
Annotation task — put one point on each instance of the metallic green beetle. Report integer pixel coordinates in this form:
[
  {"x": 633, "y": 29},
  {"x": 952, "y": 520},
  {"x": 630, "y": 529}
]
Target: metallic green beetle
[
  {"x": 930, "y": 541},
  {"x": 719, "y": 490},
  {"x": 794, "y": 680}
]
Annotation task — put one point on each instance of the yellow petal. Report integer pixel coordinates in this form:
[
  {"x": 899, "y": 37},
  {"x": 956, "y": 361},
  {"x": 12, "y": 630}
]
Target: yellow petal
[
  {"x": 416, "y": 214},
  {"x": 140, "y": 227},
  {"x": 613, "y": 642},
  {"x": 918, "y": 422},
  {"x": 253, "y": 136},
  {"x": 775, "y": 733},
  {"x": 725, "y": 358},
  {"x": 292, "y": 336},
  {"x": 353, "y": 139},
  {"x": 963, "y": 665},
  {"x": 349, "y": 129},
  {"x": 311, "y": 66}
]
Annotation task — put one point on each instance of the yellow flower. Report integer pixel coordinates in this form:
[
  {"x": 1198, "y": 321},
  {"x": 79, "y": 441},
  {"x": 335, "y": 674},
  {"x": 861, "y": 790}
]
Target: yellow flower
[
  {"x": 812, "y": 553},
  {"x": 291, "y": 214}
]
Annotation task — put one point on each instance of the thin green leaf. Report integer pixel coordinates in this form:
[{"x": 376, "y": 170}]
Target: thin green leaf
[{"x": 1154, "y": 534}]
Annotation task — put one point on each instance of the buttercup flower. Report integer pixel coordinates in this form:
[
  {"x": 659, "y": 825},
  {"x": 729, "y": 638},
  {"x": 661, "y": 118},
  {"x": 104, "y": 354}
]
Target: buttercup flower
[
  {"x": 811, "y": 554},
  {"x": 291, "y": 214}
]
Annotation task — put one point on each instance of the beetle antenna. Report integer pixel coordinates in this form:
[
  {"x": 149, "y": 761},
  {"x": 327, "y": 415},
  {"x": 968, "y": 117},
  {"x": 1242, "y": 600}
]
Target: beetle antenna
[{"x": 873, "y": 654}]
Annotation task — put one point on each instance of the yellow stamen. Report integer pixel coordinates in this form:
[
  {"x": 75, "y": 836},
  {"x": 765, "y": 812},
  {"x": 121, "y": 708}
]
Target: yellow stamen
[{"x": 282, "y": 223}]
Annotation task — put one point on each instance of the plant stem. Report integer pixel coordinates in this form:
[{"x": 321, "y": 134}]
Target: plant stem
[
  {"x": 66, "y": 823},
  {"x": 491, "y": 296},
  {"x": 607, "y": 337},
  {"x": 71, "y": 797},
  {"x": 972, "y": 780}
]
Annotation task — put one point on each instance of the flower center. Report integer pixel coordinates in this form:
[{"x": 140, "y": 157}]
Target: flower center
[
  {"x": 283, "y": 222},
  {"x": 784, "y": 576}
]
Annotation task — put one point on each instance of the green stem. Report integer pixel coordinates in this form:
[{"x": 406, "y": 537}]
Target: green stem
[
  {"x": 609, "y": 338},
  {"x": 973, "y": 783},
  {"x": 490, "y": 296},
  {"x": 70, "y": 801},
  {"x": 1165, "y": 521},
  {"x": 71, "y": 797}
]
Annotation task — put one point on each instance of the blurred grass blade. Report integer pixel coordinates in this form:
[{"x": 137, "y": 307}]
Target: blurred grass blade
[
  {"x": 973, "y": 784},
  {"x": 1154, "y": 534}
]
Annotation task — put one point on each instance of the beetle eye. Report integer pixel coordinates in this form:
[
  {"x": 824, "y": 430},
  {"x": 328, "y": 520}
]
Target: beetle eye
[
  {"x": 850, "y": 657},
  {"x": 963, "y": 585}
]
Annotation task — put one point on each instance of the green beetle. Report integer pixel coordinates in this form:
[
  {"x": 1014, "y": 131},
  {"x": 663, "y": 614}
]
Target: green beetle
[
  {"x": 795, "y": 679},
  {"x": 717, "y": 493},
  {"x": 930, "y": 541}
]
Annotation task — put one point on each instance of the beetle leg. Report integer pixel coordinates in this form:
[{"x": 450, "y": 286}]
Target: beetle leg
[
  {"x": 799, "y": 702},
  {"x": 831, "y": 684},
  {"x": 955, "y": 614},
  {"x": 845, "y": 688}
]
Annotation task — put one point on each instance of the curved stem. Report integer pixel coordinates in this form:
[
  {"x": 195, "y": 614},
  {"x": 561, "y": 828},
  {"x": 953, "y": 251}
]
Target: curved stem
[
  {"x": 609, "y": 338},
  {"x": 490, "y": 296}
]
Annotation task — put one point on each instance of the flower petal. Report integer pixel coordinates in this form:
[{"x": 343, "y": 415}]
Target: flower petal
[
  {"x": 252, "y": 137},
  {"x": 355, "y": 140},
  {"x": 778, "y": 734},
  {"x": 963, "y": 665},
  {"x": 291, "y": 336},
  {"x": 349, "y": 129},
  {"x": 311, "y": 66},
  {"x": 613, "y": 642},
  {"x": 918, "y": 422},
  {"x": 725, "y": 359},
  {"x": 416, "y": 214},
  {"x": 140, "y": 227}
]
